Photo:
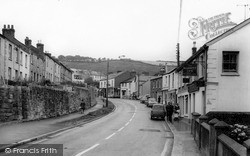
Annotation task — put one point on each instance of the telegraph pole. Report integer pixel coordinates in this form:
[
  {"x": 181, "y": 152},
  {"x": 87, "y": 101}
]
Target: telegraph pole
[
  {"x": 178, "y": 37},
  {"x": 107, "y": 83}
]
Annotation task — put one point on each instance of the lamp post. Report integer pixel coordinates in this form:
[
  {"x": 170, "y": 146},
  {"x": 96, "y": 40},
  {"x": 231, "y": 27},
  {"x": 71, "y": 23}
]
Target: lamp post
[{"x": 107, "y": 83}]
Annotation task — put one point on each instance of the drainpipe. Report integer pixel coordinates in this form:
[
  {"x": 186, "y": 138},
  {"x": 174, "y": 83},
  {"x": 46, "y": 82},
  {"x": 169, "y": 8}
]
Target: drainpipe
[{"x": 205, "y": 79}]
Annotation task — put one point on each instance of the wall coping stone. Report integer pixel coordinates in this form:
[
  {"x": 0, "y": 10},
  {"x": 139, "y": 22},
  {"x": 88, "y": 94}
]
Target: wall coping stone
[
  {"x": 213, "y": 121},
  {"x": 206, "y": 126},
  {"x": 233, "y": 145},
  {"x": 196, "y": 114},
  {"x": 247, "y": 144},
  {"x": 221, "y": 124}
]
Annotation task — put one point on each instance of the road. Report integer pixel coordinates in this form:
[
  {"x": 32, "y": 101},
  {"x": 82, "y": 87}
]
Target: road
[{"x": 128, "y": 131}]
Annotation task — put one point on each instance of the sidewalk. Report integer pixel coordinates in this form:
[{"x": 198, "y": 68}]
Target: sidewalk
[
  {"x": 23, "y": 131},
  {"x": 184, "y": 144}
]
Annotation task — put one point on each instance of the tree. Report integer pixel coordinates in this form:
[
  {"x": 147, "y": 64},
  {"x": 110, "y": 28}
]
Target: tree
[
  {"x": 89, "y": 80},
  {"x": 61, "y": 58}
]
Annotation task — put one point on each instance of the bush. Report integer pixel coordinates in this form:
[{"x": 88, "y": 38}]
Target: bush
[{"x": 238, "y": 132}]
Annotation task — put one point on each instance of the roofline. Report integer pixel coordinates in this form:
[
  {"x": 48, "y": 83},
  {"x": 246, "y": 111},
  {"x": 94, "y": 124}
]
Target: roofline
[
  {"x": 156, "y": 78},
  {"x": 216, "y": 39},
  {"x": 16, "y": 44},
  {"x": 229, "y": 32},
  {"x": 191, "y": 58}
]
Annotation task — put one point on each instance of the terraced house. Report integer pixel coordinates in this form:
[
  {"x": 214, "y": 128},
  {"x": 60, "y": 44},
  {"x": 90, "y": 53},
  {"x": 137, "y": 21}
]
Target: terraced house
[
  {"x": 37, "y": 61},
  {"x": 20, "y": 61},
  {"x": 14, "y": 57},
  {"x": 52, "y": 68}
]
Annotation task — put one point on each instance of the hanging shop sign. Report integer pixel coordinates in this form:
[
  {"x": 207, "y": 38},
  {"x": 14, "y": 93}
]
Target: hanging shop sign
[
  {"x": 195, "y": 85},
  {"x": 185, "y": 80},
  {"x": 211, "y": 27},
  {"x": 190, "y": 70}
]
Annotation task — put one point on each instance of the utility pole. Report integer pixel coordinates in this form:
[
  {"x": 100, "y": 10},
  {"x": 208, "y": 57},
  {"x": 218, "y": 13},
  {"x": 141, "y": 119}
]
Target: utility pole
[
  {"x": 245, "y": 7},
  {"x": 178, "y": 37},
  {"x": 107, "y": 83}
]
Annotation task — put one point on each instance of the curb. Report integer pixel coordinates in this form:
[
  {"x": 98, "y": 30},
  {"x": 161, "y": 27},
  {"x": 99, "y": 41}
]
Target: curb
[
  {"x": 169, "y": 145},
  {"x": 13, "y": 145}
]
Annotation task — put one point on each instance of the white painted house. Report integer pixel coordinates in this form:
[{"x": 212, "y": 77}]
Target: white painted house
[{"x": 222, "y": 82}]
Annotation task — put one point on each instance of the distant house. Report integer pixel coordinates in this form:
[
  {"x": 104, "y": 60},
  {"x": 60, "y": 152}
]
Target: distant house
[
  {"x": 169, "y": 86},
  {"x": 114, "y": 81},
  {"x": 65, "y": 73},
  {"x": 37, "y": 61},
  {"x": 14, "y": 57},
  {"x": 156, "y": 88},
  {"x": 127, "y": 88},
  {"x": 77, "y": 76},
  {"x": 142, "y": 86},
  {"x": 52, "y": 68}
]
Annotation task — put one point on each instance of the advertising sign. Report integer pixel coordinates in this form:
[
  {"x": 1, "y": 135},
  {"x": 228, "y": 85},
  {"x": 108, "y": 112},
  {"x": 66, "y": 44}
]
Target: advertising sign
[
  {"x": 190, "y": 70},
  {"x": 211, "y": 27}
]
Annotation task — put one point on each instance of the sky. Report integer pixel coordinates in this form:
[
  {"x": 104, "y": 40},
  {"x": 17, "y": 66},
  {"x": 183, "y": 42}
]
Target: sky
[{"x": 138, "y": 29}]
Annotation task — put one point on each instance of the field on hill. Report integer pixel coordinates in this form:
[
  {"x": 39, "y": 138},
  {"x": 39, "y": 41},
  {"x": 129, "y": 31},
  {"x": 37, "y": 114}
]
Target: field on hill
[{"x": 114, "y": 66}]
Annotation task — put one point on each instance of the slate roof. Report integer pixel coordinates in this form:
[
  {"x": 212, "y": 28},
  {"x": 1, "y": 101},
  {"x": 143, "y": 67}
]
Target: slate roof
[{"x": 17, "y": 43}]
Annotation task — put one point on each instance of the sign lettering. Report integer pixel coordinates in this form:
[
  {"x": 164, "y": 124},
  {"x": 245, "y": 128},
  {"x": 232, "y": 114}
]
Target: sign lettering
[{"x": 211, "y": 27}]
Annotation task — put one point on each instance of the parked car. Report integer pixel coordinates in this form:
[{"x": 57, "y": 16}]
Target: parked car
[
  {"x": 144, "y": 98},
  {"x": 151, "y": 102},
  {"x": 158, "y": 111}
]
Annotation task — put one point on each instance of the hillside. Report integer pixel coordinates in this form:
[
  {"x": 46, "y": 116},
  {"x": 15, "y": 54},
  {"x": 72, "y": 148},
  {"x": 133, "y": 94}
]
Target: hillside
[{"x": 114, "y": 66}]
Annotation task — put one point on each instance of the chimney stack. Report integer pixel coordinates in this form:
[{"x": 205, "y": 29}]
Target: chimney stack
[
  {"x": 194, "y": 49},
  {"x": 8, "y": 31},
  {"x": 27, "y": 41},
  {"x": 40, "y": 47}
]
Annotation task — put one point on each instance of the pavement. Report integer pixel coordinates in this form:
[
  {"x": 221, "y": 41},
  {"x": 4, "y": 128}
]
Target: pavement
[
  {"x": 13, "y": 134},
  {"x": 184, "y": 144}
]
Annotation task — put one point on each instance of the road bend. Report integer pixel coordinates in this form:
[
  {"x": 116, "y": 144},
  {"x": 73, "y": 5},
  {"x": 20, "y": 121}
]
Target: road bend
[{"x": 128, "y": 131}]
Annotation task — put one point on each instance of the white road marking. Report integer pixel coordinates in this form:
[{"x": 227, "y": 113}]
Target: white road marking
[
  {"x": 92, "y": 147},
  {"x": 127, "y": 124},
  {"x": 130, "y": 119},
  {"x": 110, "y": 136},
  {"x": 120, "y": 129}
]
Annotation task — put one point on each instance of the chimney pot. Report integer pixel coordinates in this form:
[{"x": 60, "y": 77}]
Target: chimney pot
[
  {"x": 194, "y": 48},
  {"x": 8, "y": 32}
]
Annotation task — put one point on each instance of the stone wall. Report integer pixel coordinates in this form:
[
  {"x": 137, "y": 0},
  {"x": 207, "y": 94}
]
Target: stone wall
[{"x": 36, "y": 102}]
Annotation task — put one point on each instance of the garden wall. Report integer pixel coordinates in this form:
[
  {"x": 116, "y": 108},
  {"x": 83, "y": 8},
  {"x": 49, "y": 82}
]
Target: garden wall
[{"x": 37, "y": 102}]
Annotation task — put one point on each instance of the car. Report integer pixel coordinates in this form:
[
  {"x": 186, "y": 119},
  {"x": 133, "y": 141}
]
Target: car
[
  {"x": 144, "y": 98},
  {"x": 158, "y": 111},
  {"x": 151, "y": 102}
]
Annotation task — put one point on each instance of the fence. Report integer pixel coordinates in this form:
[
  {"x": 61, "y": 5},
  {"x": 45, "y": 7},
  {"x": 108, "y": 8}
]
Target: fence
[{"x": 211, "y": 138}]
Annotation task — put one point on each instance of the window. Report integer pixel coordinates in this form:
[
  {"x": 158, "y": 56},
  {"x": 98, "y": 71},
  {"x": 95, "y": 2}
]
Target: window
[
  {"x": 17, "y": 55},
  {"x": 21, "y": 58},
  {"x": 16, "y": 74},
  {"x": 31, "y": 58},
  {"x": 230, "y": 61},
  {"x": 169, "y": 81},
  {"x": 26, "y": 60},
  {"x": 173, "y": 80},
  {"x": 10, "y": 52},
  {"x": 9, "y": 73}
]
